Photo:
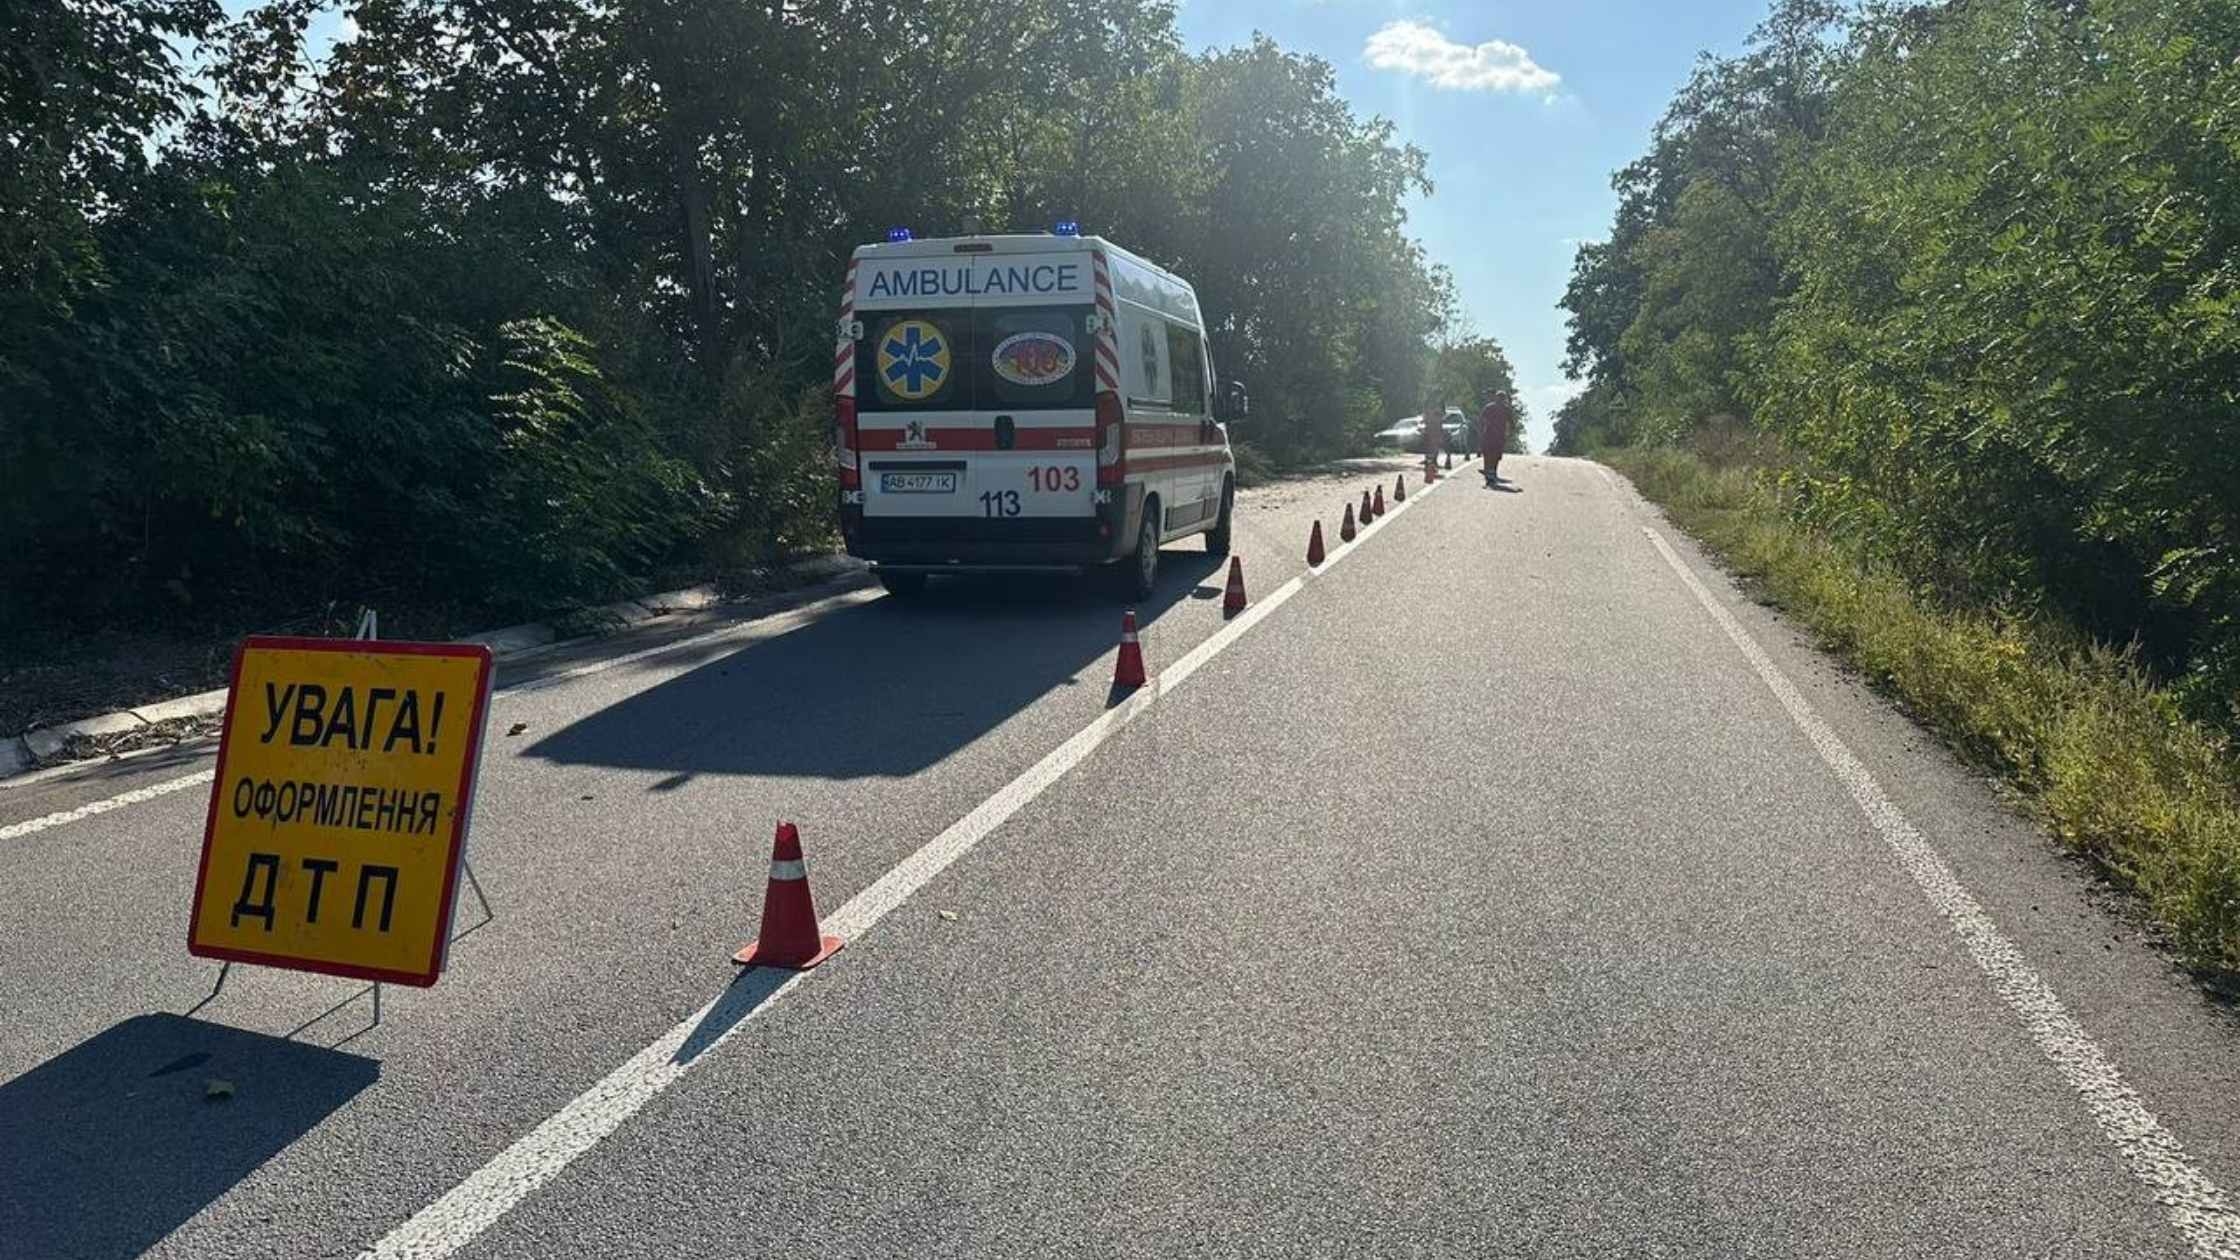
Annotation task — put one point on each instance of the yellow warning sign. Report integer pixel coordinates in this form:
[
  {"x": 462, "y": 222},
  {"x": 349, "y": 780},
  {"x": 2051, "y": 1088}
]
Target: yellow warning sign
[{"x": 338, "y": 819}]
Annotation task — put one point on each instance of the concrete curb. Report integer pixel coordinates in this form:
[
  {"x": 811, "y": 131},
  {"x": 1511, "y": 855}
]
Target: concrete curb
[
  {"x": 49, "y": 740},
  {"x": 20, "y": 755},
  {"x": 196, "y": 705},
  {"x": 514, "y": 639},
  {"x": 695, "y": 598}
]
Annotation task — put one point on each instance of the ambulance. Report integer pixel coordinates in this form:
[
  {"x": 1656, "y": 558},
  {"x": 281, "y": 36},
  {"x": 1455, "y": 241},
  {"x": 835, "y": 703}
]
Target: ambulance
[{"x": 1025, "y": 402}]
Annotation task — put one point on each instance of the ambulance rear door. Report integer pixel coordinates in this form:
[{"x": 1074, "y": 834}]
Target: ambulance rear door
[{"x": 975, "y": 395}]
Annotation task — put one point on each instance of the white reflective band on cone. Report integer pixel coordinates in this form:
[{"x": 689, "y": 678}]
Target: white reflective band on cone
[{"x": 795, "y": 869}]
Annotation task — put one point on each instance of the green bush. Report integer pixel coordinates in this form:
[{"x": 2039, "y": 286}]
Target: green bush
[
  {"x": 282, "y": 396},
  {"x": 1253, "y": 467},
  {"x": 781, "y": 473},
  {"x": 583, "y": 501}
]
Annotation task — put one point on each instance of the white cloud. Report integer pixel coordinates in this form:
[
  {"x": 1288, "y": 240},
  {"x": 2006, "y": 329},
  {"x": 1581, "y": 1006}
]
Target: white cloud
[
  {"x": 1549, "y": 399},
  {"x": 1419, "y": 49}
]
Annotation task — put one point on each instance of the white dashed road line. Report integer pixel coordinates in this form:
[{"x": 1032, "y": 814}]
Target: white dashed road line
[
  {"x": 30, "y": 826},
  {"x": 754, "y": 631},
  {"x": 2196, "y": 1204},
  {"x": 472, "y": 1206}
]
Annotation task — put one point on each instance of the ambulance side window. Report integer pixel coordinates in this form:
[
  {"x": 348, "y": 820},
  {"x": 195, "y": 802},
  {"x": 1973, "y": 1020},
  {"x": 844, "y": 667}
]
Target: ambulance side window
[
  {"x": 1144, "y": 348},
  {"x": 1187, "y": 354}
]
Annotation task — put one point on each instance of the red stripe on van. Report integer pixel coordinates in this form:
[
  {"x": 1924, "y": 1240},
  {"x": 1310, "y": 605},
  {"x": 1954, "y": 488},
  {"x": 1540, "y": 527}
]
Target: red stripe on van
[
  {"x": 1154, "y": 436},
  {"x": 1160, "y": 463},
  {"x": 983, "y": 439}
]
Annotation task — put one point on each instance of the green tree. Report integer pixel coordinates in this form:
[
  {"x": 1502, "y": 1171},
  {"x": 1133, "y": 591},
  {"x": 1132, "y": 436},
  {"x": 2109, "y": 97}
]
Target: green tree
[
  {"x": 2013, "y": 368},
  {"x": 1659, "y": 311},
  {"x": 1466, "y": 371},
  {"x": 1708, "y": 281},
  {"x": 511, "y": 301}
]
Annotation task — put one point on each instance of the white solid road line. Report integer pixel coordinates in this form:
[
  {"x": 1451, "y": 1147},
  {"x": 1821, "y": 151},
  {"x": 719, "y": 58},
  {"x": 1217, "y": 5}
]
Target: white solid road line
[
  {"x": 2195, "y": 1203},
  {"x": 488, "y": 1193}
]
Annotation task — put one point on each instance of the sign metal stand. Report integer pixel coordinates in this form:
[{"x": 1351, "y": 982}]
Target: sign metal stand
[{"x": 369, "y": 627}]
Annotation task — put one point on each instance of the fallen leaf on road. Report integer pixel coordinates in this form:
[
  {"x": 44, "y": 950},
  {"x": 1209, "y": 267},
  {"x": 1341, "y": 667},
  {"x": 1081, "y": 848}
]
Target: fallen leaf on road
[
  {"x": 215, "y": 1090},
  {"x": 947, "y": 916},
  {"x": 517, "y": 728}
]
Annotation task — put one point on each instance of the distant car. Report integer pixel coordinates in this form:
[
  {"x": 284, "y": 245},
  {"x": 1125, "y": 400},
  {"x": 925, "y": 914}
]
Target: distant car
[{"x": 1408, "y": 433}]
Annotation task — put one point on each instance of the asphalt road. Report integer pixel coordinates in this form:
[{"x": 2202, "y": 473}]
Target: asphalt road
[{"x": 1481, "y": 895}]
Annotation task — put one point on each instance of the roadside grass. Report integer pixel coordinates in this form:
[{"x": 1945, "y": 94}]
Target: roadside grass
[{"x": 2088, "y": 743}]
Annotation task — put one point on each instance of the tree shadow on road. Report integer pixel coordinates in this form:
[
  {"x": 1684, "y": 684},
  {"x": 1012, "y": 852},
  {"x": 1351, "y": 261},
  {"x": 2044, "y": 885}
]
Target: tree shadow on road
[
  {"x": 887, "y": 687},
  {"x": 111, "y": 1145}
]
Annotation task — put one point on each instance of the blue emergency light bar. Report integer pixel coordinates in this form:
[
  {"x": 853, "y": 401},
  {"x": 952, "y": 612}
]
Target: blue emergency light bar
[
  {"x": 1066, "y": 227},
  {"x": 897, "y": 235}
]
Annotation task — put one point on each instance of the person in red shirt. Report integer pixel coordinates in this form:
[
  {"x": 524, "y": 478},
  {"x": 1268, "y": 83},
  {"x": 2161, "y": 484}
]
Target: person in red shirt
[{"x": 1493, "y": 433}]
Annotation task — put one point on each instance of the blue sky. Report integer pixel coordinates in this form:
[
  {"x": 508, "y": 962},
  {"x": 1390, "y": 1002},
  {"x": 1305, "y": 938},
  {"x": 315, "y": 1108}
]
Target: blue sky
[{"x": 1525, "y": 109}]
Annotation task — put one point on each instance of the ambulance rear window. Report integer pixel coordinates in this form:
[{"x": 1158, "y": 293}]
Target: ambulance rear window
[
  {"x": 1034, "y": 357},
  {"x": 1006, "y": 358},
  {"x": 916, "y": 361}
]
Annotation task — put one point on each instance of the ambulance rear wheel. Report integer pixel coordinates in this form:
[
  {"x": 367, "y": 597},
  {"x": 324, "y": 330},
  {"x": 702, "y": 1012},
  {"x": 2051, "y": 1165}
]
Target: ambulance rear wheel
[
  {"x": 1143, "y": 566},
  {"x": 1217, "y": 538},
  {"x": 903, "y": 585}
]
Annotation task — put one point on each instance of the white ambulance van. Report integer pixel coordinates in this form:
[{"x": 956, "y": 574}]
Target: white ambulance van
[{"x": 1025, "y": 402}]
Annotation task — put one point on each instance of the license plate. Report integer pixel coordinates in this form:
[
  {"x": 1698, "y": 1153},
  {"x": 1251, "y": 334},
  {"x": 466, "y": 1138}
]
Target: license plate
[{"x": 918, "y": 483}]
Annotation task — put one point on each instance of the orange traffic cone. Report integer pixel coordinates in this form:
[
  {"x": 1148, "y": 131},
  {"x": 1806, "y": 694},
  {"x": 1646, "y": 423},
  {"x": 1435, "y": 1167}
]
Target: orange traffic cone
[
  {"x": 1400, "y": 488},
  {"x": 1128, "y": 670},
  {"x": 1232, "y": 600},
  {"x": 1380, "y": 501},
  {"x": 789, "y": 915},
  {"x": 1345, "y": 531},
  {"x": 1368, "y": 510},
  {"x": 1314, "y": 546}
]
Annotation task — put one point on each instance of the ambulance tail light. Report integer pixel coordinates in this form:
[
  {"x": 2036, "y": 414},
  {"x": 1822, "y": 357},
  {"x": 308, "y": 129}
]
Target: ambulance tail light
[
  {"x": 844, "y": 442},
  {"x": 1112, "y": 467}
]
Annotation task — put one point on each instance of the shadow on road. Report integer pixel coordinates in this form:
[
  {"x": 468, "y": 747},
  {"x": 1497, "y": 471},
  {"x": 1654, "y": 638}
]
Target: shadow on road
[
  {"x": 750, "y": 990},
  {"x": 108, "y": 1147},
  {"x": 1504, "y": 485},
  {"x": 886, "y": 687}
]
